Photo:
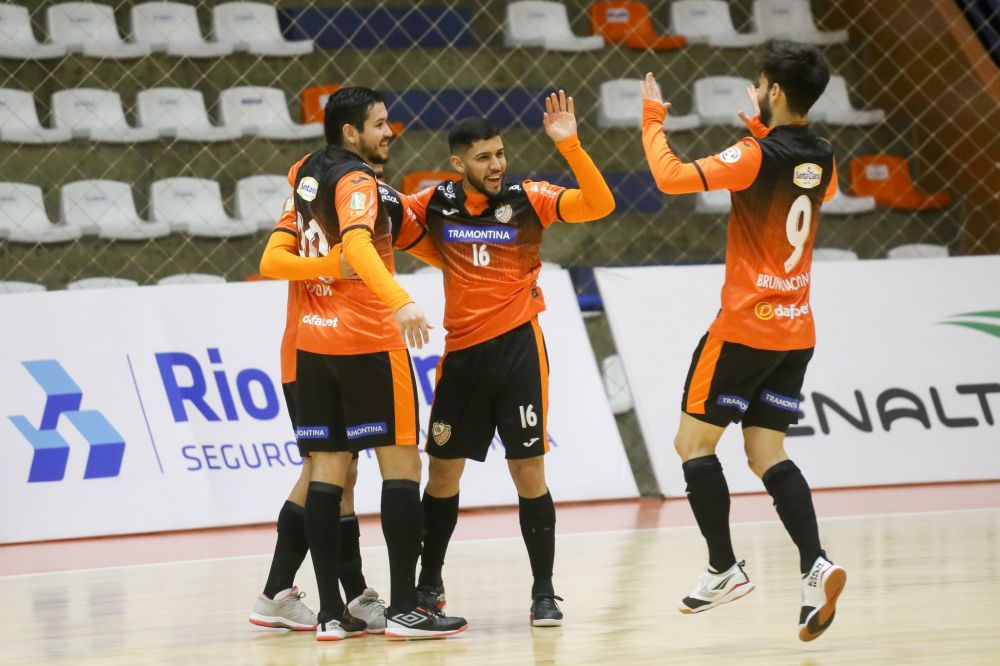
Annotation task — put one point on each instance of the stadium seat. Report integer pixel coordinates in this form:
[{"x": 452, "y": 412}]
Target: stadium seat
[
  {"x": 264, "y": 112},
  {"x": 253, "y": 27},
  {"x": 105, "y": 208},
  {"x": 844, "y": 204},
  {"x": 17, "y": 39},
  {"x": 887, "y": 178},
  {"x": 439, "y": 109},
  {"x": 96, "y": 115},
  {"x": 261, "y": 198},
  {"x": 621, "y": 106},
  {"x": 180, "y": 113},
  {"x": 19, "y": 120},
  {"x": 194, "y": 206},
  {"x": 540, "y": 23},
  {"x": 709, "y": 22},
  {"x": 628, "y": 22},
  {"x": 833, "y": 254},
  {"x": 717, "y": 99},
  {"x": 191, "y": 278},
  {"x": 314, "y": 102},
  {"x": 172, "y": 27},
  {"x": 102, "y": 283},
  {"x": 404, "y": 26},
  {"x": 616, "y": 385},
  {"x": 415, "y": 181},
  {"x": 23, "y": 218},
  {"x": 90, "y": 28},
  {"x": 713, "y": 202},
  {"x": 918, "y": 251},
  {"x": 15, "y": 287},
  {"x": 834, "y": 107},
  {"x": 792, "y": 19}
]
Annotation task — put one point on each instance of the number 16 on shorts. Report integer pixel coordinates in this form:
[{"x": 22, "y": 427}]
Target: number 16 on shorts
[{"x": 528, "y": 417}]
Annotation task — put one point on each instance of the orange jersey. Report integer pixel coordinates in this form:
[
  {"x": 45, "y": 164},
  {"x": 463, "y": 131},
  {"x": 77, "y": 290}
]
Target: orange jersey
[
  {"x": 288, "y": 224},
  {"x": 778, "y": 183}
]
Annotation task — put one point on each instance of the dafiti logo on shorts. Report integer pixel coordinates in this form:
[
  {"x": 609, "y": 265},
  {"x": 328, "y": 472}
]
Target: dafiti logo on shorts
[
  {"x": 308, "y": 188},
  {"x": 807, "y": 175},
  {"x": 367, "y": 430},
  {"x": 765, "y": 311}
]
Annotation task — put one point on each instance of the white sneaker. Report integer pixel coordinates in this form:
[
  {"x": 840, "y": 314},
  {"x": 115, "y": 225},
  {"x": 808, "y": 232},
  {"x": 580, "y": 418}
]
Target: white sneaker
[
  {"x": 337, "y": 630},
  {"x": 714, "y": 589},
  {"x": 820, "y": 589},
  {"x": 370, "y": 608},
  {"x": 285, "y": 611}
]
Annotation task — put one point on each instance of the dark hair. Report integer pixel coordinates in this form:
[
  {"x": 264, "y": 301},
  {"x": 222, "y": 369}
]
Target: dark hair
[
  {"x": 348, "y": 106},
  {"x": 467, "y": 132},
  {"x": 799, "y": 69}
]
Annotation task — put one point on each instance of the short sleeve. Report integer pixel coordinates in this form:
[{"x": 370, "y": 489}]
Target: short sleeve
[
  {"x": 288, "y": 221},
  {"x": 544, "y": 198},
  {"x": 413, "y": 226},
  {"x": 357, "y": 202},
  {"x": 734, "y": 169}
]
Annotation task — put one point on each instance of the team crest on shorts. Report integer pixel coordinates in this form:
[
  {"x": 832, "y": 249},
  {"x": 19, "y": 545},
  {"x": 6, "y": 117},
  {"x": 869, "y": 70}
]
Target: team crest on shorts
[
  {"x": 441, "y": 432},
  {"x": 504, "y": 213}
]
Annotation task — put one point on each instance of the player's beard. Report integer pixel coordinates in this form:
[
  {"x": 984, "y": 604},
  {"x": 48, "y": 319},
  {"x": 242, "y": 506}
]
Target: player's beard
[
  {"x": 765, "y": 111},
  {"x": 479, "y": 185},
  {"x": 372, "y": 154}
]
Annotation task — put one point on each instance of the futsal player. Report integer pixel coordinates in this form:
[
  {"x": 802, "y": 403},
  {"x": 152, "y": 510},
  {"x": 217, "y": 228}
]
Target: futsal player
[{"x": 749, "y": 366}]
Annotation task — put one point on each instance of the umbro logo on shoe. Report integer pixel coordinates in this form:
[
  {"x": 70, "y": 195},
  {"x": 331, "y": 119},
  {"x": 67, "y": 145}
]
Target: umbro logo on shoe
[{"x": 408, "y": 619}]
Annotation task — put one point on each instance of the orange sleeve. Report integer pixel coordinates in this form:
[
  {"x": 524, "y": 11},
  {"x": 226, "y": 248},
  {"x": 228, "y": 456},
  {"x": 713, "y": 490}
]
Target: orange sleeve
[
  {"x": 281, "y": 260},
  {"x": 293, "y": 173},
  {"x": 831, "y": 189},
  {"x": 357, "y": 202},
  {"x": 757, "y": 128},
  {"x": 425, "y": 250},
  {"x": 733, "y": 169},
  {"x": 362, "y": 256},
  {"x": 412, "y": 228},
  {"x": 592, "y": 201}
]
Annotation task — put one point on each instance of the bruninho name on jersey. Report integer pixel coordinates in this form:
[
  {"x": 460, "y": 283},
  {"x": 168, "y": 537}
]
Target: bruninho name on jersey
[
  {"x": 775, "y": 283},
  {"x": 454, "y": 233},
  {"x": 316, "y": 320}
]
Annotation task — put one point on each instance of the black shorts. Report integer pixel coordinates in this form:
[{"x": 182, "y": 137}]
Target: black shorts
[
  {"x": 289, "y": 390},
  {"x": 501, "y": 385},
  {"x": 730, "y": 383},
  {"x": 354, "y": 402}
]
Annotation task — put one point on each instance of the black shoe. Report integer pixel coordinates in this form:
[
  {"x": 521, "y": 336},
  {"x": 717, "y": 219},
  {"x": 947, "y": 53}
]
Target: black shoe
[
  {"x": 545, "y": 611},
  {"x": 421, "y": 623},
  {"x": 347, "y": 626},
  {"x": 431, "y": 597}
]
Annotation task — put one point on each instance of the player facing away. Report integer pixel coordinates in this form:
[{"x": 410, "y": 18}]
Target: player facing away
[
  {"x": 750, "y": 365},
  {"x": 493, "y": 376},
  {"x": 354, "y": 386}
]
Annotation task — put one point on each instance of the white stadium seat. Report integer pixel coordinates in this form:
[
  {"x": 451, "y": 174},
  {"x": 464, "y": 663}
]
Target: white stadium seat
[
  {"x": 264, "y": 112},
  {"x": 194, "y": 206},
  {"x": 173, "y": 27},
  {"x": 545, "y": 24},
  {"x": 102, "y": 283},
  {"x": 834, "y": 107},
  {"x": 918, "y": 251},
  {"x": 191, "y": 278},
  {"x": 621, "y": 106},
  {"x": 253, "y": 27},
  {"x": 261, "y": 198},
  {"x": 23, "y": 218},
  {"x": 17, "y": 39},
  {"x": 845, "y": 204},
  {"x": 616, "y": 385},
  {"x": 717, "y": 99},
  {"x": 96, "y": 115},
  {"x": 14, "y": 287},
  {"x": 713, "y": 202},
  {"x": 709, "y": 22},
  {"x": 180, "y": 113},
  {"x": 792, "y": 19},
  {"x": 105, "y": 208},
  {"x": 833, "y": 254},
  {"x": 90, "y": 28},
  {"x": 19, "y": 120}
]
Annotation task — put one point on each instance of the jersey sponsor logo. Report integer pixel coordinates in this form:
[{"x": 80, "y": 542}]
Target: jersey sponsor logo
[
  {"x": 319, "y": 289},
  {"x": 734, "y": 401},
  {"x": 454, "y": 233},
  {"x": 448, "y": 190},
  {"x": 441, "y": 432},
  {"x": 780, "y": 401},
  {"x": 504, "y": 213},
  {"x": 807, "y": 175},
  {"x": 322, "y": 322},
  {"x": 312, "y": 432},
  {"x": 775, "y": 283},
  {"x": 367, "y": 430},
  {"x": 359, "y": 201},
  {"x": 544, "y": 191},
  {"x": 386, "y": 195},
  {"x": 308, "y": 188},
  {"x": 766, "y": 311},
  {"x": 450, "y": 211},
  {"x": 731, "y": 155}
]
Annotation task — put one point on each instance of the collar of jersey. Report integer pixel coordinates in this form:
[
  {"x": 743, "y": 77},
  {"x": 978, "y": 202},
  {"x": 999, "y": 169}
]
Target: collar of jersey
[{"x": 461, "y": 197}]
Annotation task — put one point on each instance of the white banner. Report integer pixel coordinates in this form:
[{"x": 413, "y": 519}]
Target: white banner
[
  {"x": 160, "y": 408},
  {"x": 904, "y": 386}
]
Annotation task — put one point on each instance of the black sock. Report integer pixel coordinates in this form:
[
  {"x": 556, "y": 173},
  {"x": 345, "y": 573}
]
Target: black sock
[
  {"x": 538, "y": 527},
  {"x": 351, "y": 576},
  {"x": 440, "y": 517},
  {"x": 289, "y": 549},
  {"x": 402, "y": 526},
  {"x": 708, "y": 494},
  {"x": 323, "y": 529},
  {"x": 793, "y": 500}
]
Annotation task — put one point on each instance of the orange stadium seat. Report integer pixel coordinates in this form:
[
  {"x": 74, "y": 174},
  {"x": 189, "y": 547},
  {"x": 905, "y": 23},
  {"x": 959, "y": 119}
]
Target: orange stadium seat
[
  {"x": 628, "y": 22},
  {"x": 314, "y": 100},
  {"x": 887, "y": 179},
  {"x": 415, "y": 181}
]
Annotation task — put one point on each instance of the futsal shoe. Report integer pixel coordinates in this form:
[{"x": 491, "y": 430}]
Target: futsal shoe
[
  {"x": 714, "y": 589},
  {"x": 431, "y": 596},
  {"x": 285, "y": 611},
  {"x": 347, "y": 626},
  {"x": 545, "y": 611},
  {"x": 370, "y": 608},
  {"x": 820, "y": 589},
  {"x": 420, "y": 623}
]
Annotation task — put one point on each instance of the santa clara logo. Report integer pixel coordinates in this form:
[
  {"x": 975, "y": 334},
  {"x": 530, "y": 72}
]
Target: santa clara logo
[
  {"x": 504, "y": 213},
  {"x": 441, "y": 432}
]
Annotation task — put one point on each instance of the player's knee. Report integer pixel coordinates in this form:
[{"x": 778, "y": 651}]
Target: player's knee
[
  {"x": 399, "y": 462},
  {"x": 688, "y": 447},
  {"x": 529, "y": 477},
  {"x": 443, "y": 477}
]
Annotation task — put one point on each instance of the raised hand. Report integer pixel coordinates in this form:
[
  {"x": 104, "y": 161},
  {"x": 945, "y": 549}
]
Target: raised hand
[
  {"x": 650, "y": 90},
  {"x": 559, "y": 118},
  {"x": 754, "y": 106}
]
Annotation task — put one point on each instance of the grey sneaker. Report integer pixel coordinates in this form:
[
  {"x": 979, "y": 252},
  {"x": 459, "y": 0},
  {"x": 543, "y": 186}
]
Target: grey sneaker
[
  {"x": 286, "y": 611},
  {"x": 371, "y": 609}
]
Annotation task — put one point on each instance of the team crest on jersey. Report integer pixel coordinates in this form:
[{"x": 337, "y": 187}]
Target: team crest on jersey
[
  {"x": 308, "y": 188},
  {"x": 359, "y": 201},
  {"x": 731, "y": 155},
  {"x": 807, "y": 175},
  {"x": 504, "y": 213},
  {"x": 441, "y": 432}
]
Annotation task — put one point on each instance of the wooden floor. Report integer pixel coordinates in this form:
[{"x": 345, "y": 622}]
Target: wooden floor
[{"x": 922, "y": 588}]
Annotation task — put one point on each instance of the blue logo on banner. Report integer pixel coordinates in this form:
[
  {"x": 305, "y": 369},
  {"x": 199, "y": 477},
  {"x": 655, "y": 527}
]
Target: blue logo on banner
[
  {"x": 780, "y": 401},
  {"x": 367, "y": 430},
  {"x": 733, "y": 401},
  {"x": 63, "y": 398},
  {"x": 312, "y": 432},
  {"x": 454, "y": 233}
]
